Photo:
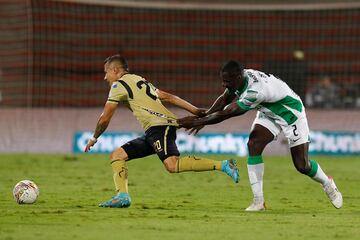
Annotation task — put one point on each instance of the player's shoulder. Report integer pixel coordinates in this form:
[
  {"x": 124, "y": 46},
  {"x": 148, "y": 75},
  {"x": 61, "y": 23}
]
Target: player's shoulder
[
  {"x": 256, "y": 75},
  {"x": 132, "y": 80},
  {"x": 114, "y": 85},
  {"x": 250, "y": 72},
  {"x": 131, "y": 77},
  {"x": 253, "y": 78},
  {"x": 135, "y": 78},
  {"x": 255, "y": 84}
]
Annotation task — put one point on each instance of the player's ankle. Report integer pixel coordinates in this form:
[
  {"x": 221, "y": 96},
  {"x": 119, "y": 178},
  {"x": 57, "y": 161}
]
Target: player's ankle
[{"x": 259, "y": 199}]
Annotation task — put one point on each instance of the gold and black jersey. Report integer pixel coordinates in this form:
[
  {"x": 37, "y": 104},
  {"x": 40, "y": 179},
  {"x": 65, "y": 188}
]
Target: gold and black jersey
[{"x": 141, "y": 98}]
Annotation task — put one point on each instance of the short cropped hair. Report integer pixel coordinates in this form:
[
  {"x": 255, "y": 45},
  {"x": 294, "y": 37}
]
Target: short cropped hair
[
  {"x": 232, "y": 66},
  {"x": 119, "y": 59}
]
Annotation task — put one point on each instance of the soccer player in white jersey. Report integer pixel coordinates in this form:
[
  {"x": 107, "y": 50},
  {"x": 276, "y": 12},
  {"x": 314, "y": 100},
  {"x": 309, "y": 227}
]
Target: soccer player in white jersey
[{"x": 279, "y": 109}]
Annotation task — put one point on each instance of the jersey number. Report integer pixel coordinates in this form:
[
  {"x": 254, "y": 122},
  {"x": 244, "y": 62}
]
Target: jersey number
[
  {"x": 294, "y": 131},
  {"x": 157, "y": 146},
  {"x": 148, "y": 89}
]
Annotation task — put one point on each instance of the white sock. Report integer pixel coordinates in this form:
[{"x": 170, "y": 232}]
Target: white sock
[
  {"x": 319, "y": 175},
  {"x": 256, "y": 173}
]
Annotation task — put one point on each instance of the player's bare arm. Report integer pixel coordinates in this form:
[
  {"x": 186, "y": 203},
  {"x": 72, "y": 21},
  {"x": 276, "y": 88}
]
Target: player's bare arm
[
  {"x": 223, "y": 100},
  {"x": 179, "y": 102},
  {"x": 102, "y": 124},
  {"x": 230, "y": 111}
]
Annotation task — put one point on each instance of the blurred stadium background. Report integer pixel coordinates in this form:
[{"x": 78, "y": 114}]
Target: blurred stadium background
[{"x": 52, "y": 52}]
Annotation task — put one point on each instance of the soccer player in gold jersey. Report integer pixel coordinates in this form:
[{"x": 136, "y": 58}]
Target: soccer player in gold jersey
[{"x": 159, "y": 124}]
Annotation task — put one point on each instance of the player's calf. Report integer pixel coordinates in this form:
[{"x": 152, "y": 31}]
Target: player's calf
[{"x": 198, "y": 164}]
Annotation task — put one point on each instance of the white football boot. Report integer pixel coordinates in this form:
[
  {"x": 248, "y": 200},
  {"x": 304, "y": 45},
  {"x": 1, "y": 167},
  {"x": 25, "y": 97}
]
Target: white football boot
[
  {"x": 256, "y": 205},
  {"x": 333, "y": 193}
]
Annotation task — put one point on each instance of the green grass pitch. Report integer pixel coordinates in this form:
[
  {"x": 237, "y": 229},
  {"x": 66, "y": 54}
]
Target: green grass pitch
[{"x": 206, "y": 205}]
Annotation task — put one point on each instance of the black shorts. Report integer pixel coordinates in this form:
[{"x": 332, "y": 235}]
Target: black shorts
[{"x": 158, "y": 139}]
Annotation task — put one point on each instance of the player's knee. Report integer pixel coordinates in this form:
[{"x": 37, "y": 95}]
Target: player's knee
[
  {"x": 171, "y": 164},
  {"x": 118, "y": 154},
  {"x": 171, "y": 169}
]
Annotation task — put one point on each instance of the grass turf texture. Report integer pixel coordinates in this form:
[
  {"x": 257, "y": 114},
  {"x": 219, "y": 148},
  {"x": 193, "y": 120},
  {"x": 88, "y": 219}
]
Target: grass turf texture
[{"x": 205, "y": 205}]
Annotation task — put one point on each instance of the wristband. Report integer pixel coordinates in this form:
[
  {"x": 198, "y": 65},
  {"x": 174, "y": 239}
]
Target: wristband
[{"x": 93, "y": 139}]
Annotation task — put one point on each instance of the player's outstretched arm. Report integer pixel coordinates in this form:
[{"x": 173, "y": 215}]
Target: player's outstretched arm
[
  {"x": 230, "y": 111},
  {"x": 222, "y": 101},
  {"x": 102, "y": 124},
  {"x": 179, "y": 102}
]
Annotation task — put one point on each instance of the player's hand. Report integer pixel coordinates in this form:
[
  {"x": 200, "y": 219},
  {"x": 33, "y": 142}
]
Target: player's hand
[
  {"x": 195, "y": 130},
  {"x": 187, "y": 122},
  {"x": 90, "y": 144},
  {"x": 201, "y": 112}
]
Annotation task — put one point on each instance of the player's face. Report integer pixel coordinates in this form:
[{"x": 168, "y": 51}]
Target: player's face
[
  {"x": 230, "y": 80},
  {"x": 110, "y": 73}
]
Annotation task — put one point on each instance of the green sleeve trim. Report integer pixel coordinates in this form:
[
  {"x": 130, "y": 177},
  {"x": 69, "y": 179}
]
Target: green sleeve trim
[
  {"x": 251, "y": 91},
  {"x": 314, "y": 168},
  {"x": 251, "y": 99},
  {"x": 253, "y": 160},
  {"x": 243, "y": 106}
]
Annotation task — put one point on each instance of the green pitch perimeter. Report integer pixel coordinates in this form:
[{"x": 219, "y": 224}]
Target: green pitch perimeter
[{"x": 206, "y": 205}]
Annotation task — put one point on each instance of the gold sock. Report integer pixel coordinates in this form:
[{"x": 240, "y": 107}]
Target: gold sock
[
  {"x": 197, "y": 164},
  {"x": 120, "y": 176}
]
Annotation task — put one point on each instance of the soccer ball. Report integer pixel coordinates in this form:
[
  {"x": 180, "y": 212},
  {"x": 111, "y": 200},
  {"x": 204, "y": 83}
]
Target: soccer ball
[{"x": 25, "y": 191}]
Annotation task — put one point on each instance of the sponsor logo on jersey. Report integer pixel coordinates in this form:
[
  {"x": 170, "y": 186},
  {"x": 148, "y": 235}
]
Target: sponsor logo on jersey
[
  {"x": 155, "y": 113},
  {"x": 294, "y": 140}
]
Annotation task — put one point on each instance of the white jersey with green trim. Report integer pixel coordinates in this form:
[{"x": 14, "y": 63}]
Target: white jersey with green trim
[{"x": 271, "y": 96}]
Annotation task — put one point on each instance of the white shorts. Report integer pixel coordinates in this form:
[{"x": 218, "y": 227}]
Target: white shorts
[{"x": 296, "y": 133}]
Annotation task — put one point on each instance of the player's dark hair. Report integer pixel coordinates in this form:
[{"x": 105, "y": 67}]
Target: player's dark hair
[
  {"x": 119, "y": 59},
  {"x": 232, "y": 67}
]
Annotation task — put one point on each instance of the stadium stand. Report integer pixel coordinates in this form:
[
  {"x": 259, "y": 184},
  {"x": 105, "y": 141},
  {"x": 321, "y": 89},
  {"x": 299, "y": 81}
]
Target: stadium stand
[{"x": 52, "y": 51}]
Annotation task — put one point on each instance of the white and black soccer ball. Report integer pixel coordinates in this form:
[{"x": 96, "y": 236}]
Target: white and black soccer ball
[{"x": 25, "y": 192}]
